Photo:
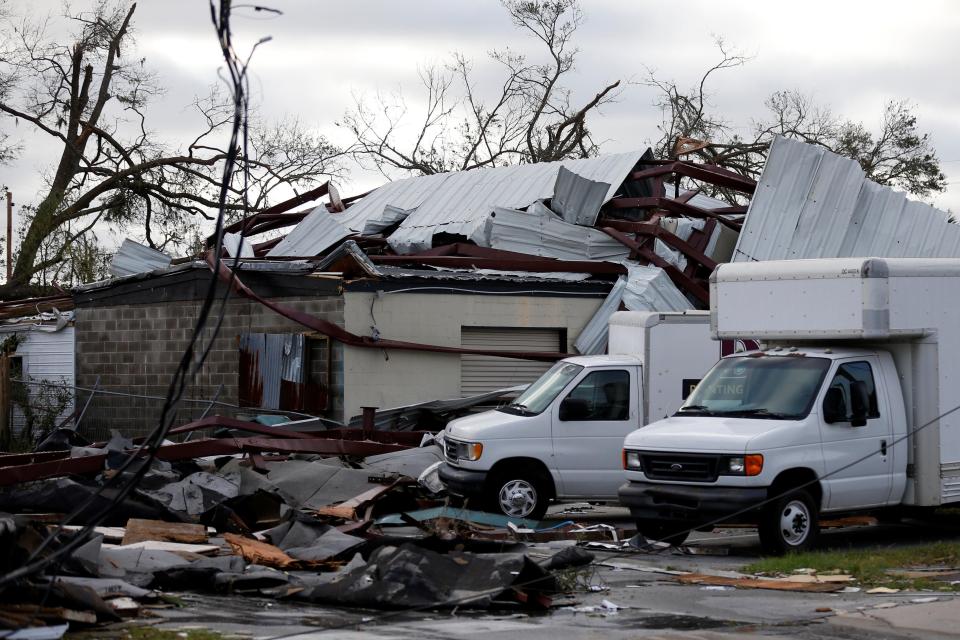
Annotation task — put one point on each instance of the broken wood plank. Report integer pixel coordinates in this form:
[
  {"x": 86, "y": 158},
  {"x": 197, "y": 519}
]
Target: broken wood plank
[
  {"x": 759, "y": 583},
  {"x": 28, "y": 612},
  {"x": 189, "y": 551},
  {"x": 139, "y": 530},
  {"x": 348, "y": 508}
]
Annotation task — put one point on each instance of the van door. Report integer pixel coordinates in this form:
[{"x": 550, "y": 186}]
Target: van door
[
  {"x": 858, "y": 459},
  {"x": 589, "y": 425}
]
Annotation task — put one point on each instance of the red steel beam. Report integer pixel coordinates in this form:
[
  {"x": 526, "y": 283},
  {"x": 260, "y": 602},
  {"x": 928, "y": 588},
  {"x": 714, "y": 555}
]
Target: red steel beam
[
  {"x": 656, "y": 231},
  {"x": 703, "y": 172},
  {"x": 196, "y": 449},
  {"x": 682, "y": 280},
  {"x": 337, "y": 332}
]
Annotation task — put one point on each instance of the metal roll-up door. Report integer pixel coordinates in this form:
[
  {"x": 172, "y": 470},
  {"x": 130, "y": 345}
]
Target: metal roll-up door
[{"x": 482, "y": 374}]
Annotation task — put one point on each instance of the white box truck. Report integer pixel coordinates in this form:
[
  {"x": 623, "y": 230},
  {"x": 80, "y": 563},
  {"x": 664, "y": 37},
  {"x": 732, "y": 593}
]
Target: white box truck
[
  {"x": 562, "y": 438},
  {"x": 850, "y": 406}
]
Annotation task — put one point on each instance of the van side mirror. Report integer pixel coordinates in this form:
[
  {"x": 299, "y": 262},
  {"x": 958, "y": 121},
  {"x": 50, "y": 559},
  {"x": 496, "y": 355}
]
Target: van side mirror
[
  {"x": 834, "y": 406},
  {"x": 860, "y": 400},
  {"x": 574, "y": 409}
]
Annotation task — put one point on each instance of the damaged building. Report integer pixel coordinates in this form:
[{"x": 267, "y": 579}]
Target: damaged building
[{"x": 405, "y": 294}]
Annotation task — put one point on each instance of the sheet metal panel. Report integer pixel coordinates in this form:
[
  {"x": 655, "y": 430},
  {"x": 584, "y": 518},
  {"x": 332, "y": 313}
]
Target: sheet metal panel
[
  {"x": 811, "y": 203},
  {"x": 644, "y": 288},
  {"x": 133, "y": 257},
  {"x": 576, "y": 199},
  {"x": 315, "y": 234}
]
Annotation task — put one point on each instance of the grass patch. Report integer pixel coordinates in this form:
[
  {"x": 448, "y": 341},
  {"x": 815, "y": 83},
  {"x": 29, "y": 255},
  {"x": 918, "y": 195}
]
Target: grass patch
[
  {"x": 147, "y": 633},
  {"x": 869, "y": 566}
]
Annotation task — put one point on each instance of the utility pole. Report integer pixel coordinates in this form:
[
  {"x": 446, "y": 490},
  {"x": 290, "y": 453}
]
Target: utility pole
[{"x": 9, "y": 236}]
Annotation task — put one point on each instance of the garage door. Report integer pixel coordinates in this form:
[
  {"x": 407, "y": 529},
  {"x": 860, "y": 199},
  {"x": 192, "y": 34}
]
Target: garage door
[{"x": 482, "y": 374}]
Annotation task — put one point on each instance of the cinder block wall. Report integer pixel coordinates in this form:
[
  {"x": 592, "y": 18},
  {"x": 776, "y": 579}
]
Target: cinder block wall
[{"x": 136, "y": 349}]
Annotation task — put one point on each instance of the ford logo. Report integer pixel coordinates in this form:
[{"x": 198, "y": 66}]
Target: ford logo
[{"x": 676, "y": 466}]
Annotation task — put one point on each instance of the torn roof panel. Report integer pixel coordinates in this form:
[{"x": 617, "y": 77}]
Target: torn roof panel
[
  {"x": 133, "y": 257},
  {"x": 811, "y": 203},
  {"x": 577, "y": 199},
  {"x": 315, "y": 234},
  {"x": 540, "y": 232}
]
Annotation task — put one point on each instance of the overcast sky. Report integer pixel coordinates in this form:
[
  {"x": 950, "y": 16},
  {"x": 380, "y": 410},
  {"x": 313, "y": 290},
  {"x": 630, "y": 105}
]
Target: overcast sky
[{"x": 850, "y": 55}]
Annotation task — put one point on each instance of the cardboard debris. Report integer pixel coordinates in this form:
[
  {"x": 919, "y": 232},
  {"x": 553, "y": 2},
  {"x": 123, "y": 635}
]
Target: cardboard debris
[{"x": 138, "y": 530}]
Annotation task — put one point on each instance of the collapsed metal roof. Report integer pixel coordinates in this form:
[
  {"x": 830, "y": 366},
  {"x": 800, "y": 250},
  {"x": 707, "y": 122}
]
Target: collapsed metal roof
[
  {"x": 811, "y": 203},
  {"x": 459, "y": 203}
]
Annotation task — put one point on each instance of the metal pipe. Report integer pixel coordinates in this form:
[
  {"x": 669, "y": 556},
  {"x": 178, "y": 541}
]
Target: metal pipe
[{"x": 369, "y": 419}]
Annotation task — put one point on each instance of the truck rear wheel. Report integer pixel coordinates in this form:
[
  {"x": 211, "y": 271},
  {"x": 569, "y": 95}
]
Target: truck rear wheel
[
  {"x": 790, "y": 523},
  {"x": 520, "y": 495},
  {"x": 675, "y": 534}
]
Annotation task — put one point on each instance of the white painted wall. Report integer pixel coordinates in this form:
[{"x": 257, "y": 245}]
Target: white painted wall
[
  {"x": 406, "y": 377},
  {"x": 46, "y": 356}
]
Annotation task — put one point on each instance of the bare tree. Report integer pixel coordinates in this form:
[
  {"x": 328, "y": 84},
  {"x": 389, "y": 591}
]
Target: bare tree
[
  {"x": 91, "y": 96},
  {"x": 898, "y": 155},
  {"x": 531, "y": 117}
]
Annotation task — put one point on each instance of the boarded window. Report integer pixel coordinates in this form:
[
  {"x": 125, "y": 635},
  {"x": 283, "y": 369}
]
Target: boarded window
[
  {"x": 284, "y": 371},
  {"x": 482, "y": 374}
]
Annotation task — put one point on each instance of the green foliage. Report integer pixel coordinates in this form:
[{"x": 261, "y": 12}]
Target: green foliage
[{"x": 870, "y": 566}]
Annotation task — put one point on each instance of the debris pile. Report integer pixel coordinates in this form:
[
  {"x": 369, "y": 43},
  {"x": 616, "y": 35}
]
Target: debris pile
[{"x": 338, "y": 517}]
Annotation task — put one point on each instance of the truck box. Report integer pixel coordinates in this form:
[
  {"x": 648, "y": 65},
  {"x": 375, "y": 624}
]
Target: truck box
[{"x": 907, "y": 306}]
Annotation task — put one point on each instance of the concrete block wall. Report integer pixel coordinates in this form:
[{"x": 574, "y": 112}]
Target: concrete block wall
[{"x": 137, "y": 348}]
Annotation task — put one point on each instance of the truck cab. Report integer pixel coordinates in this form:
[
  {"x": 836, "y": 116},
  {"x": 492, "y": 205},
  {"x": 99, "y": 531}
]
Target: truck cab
[
  {"x": 802, "y": 420},
  {"x": 562, "y": 437}
]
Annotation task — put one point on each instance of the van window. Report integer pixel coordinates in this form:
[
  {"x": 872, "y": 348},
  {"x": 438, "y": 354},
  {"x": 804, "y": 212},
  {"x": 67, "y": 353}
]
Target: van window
[
  {"x": 602, "y": 395},
  {"x": 850, "y": 372}
]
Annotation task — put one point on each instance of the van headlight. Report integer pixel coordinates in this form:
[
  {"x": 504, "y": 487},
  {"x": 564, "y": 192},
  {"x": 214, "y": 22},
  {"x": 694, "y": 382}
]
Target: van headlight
[
  {"x": 470, "y": 451},
  {"x": 748, "y": 465},
  {"x": 631, "y": 460}
]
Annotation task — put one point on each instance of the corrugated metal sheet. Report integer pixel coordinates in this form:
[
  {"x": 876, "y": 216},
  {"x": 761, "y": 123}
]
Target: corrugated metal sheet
[
  {"x": 133, "y": 257},
  {"x": 540, "y": 232},
  {"x": 577, "y": 199},
  {"x": 642, "y": 289},
  {"x": 811, "y": 203},
  {"x": 315, "y": 234},
  {"x": 235, "y": 243}
]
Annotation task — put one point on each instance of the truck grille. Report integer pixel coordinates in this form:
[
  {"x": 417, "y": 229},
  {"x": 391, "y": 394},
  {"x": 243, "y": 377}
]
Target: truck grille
[
  {"x": 671, "y": 466},
  {"x": 450, "y": 449}
]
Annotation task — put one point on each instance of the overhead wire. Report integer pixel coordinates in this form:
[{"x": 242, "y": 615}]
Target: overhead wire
[{"x": 188, "y": 365}]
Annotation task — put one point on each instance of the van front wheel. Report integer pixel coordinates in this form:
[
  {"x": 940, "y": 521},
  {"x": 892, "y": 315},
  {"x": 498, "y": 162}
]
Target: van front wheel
[
  {"x": 789, "y": 523},
  {"x": 519, "y": 496}
]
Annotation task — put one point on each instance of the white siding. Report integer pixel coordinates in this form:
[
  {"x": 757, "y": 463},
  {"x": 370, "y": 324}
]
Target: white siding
[{"x": 46, "y": 356}]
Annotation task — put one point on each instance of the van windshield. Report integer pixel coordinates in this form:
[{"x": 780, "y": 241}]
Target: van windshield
[
  {"x": 541, "y": 393},
  {"x": 764, "y": 387}
]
